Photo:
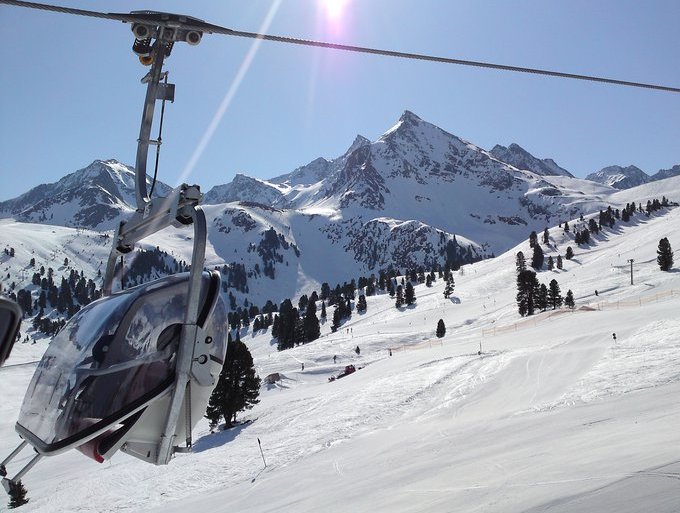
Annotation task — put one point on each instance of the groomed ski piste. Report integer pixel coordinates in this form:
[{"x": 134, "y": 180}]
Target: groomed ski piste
[{"x": 554, "y": 415}]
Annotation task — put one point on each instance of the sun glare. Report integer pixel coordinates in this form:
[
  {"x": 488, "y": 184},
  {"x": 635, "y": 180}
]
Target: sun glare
[{"x": 334, "y": 8}]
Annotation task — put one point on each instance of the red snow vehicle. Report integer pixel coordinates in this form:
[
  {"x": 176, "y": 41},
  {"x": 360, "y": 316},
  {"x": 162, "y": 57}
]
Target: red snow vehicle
[{"x": 349, "y": 369}]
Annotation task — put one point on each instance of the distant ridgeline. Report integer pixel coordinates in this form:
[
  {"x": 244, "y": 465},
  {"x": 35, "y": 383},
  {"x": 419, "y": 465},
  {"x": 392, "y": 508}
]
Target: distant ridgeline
[{"x": 51, "y": 299}]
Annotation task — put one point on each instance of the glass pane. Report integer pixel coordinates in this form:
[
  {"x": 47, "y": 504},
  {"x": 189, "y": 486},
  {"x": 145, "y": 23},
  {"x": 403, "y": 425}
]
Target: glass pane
[
  {"x": 9, "y": 313},
  {"x": 44, "y": 405}
]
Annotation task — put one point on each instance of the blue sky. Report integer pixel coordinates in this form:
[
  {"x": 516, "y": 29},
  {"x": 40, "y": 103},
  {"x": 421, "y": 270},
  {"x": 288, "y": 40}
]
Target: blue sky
[{"x": 71, "y": 92}]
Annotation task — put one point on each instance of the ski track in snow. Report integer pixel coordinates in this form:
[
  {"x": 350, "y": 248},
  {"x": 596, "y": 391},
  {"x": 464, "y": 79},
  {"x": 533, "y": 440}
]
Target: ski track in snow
[{"x": 634, "y": 363}]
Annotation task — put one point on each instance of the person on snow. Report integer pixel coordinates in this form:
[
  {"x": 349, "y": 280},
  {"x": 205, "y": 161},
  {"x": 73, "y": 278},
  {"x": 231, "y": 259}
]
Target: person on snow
[{"x": 357, "y": 351}]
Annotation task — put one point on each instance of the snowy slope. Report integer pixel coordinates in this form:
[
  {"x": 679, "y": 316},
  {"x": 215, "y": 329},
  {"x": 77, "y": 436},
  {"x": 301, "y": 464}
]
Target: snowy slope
[
  {"x": 86, "y": 251},
  {"x": 553, "y": 416}
]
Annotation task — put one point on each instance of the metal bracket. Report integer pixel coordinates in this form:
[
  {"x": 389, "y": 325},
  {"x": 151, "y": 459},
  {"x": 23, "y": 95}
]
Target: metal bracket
[
  {"x": 141, "y": 450},
  {"x": 200, "y": 363},
  {"x": 166, "y": 92},
  {"x": 175, "y": 210}
]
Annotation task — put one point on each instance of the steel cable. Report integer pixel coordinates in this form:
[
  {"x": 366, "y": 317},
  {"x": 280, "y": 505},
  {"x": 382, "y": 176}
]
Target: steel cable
[{"x": 195, "y": 24}]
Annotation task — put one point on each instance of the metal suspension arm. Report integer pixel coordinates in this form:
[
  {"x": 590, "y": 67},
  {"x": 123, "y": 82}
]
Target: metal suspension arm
[
  {"x": 153, "y": 93},
  {"x": 187, "y": 340}
]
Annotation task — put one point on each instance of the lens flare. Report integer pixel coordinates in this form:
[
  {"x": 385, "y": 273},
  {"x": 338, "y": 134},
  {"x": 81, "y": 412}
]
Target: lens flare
[
  {"x": 229, "y": 96},
  {"x": 334, "y": 8}
]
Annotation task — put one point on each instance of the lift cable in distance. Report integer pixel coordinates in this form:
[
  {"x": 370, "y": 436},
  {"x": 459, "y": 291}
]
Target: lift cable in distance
[{"x": 189, "y": 23}]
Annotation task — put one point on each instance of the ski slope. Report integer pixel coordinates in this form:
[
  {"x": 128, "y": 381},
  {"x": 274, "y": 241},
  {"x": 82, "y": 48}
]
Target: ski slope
[{"x": 554, "y": 415}]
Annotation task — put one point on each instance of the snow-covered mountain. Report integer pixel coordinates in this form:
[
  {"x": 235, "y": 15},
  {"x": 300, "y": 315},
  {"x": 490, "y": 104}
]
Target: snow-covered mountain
[
  {"x": 320, "y": 168},
  {"x": 244, "y": 188},
  {"x": 522, "y": 159},
  {"x": 415, "y": 196},
  {"x": 662, "y": 174},
  {"x": 417, "y": 171},
  {"x": 553, "y": 415},
  {"x": 95, "y": 197},
  {"x": 620, "y": 177}
]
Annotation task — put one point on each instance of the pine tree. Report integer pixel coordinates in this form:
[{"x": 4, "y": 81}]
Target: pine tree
[
  {"x": 409, "y": 294},
  {"x": 323, "y": 310},
  {"x": 441, "y": 329},
  {"x": 336, "y": 319},
  {"x": 537, "y": 258},
  {"x": 449, "y": 286},
  {"x": 569, "y": 254},
  {"x": 286, "y": 333},
  {"x": 546, "y": 236},
  {"x": 245, "y": 319},
  {"x": 520, "y": 262},
  {"x": 665, "y": 255},
  {"x": 275, "y": 327},
  {"x": 400, "y": 297},
  {"x": 527, "y": 290},
  {"x": 551, "y": 263},
  {"x": 17, "y": 494},
  {"x": 533, "y": 239},
  {"x": 311, "y": 323},
  {"x": 566, "y": 226},
  {"x": 559, "y": 261},
  {"x": 213, "y": 411},
  {"x": 361, "y": 304},
  {"x": 541, "y": 301},
  {"x": 554, "y": 295},
  {"x": 569, "y": 299},
  {"x": 64, "y": 299},
  {"x": 302, "y": 303},
  {"x": 237, "y": 388}
]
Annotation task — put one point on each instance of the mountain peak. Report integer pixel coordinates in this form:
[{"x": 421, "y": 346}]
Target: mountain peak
[
  {"x": 520, "y": 158},
  {"x": 409, "y": 117},
  {"x": 667, "y": 173},
  {"x": 359, "y": 141},
  {"x": 620, "y": 177},
  {"x": 406, "y": 125}
]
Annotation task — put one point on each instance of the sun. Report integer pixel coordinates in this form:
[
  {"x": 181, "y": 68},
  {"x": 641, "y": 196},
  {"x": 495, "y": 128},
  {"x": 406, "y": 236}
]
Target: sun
[{"x": 334, "y": 8}]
